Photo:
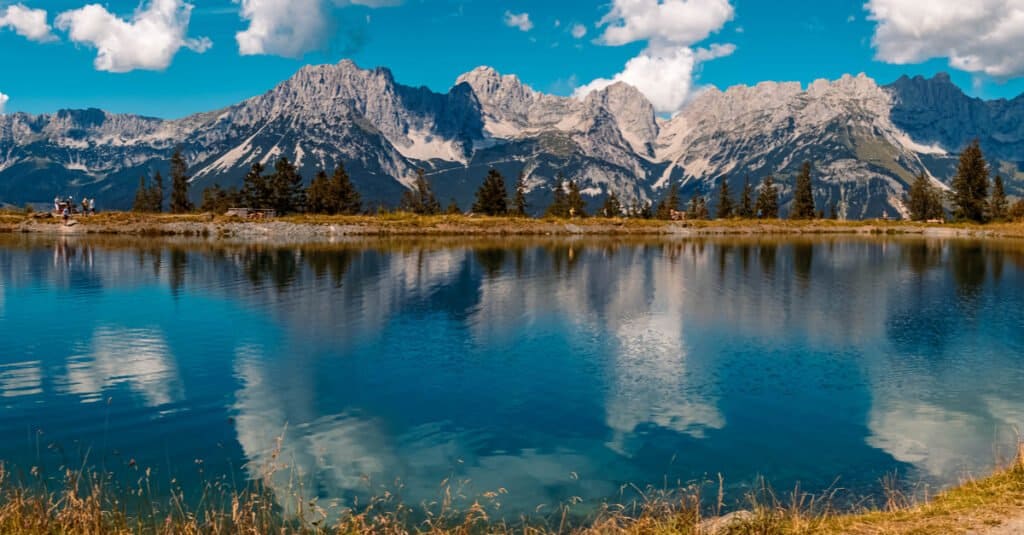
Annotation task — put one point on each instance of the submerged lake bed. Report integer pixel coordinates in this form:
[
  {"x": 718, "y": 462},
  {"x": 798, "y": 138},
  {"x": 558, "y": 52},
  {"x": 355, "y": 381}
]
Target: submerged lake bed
[{"x": 555, "y": 370}]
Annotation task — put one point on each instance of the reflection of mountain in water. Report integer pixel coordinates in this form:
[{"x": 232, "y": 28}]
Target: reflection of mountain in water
[{"x": 519, "y": 365}]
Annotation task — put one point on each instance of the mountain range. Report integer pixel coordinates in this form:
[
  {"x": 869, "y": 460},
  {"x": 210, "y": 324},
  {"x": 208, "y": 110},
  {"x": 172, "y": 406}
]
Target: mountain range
[{"x": 866, "y": 141}]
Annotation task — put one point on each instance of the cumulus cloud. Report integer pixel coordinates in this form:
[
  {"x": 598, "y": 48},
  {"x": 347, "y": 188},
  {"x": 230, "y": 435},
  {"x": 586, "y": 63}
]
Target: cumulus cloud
[
  {"x": 290, "y": 28},
  {"x": 3, "y": 102},
  {"x": 518, "y": 20},
  {"x": 578, "y": 31},
  {"x": 981, "y": 37},
  {"x": 28, "y": 23},
  {"x": 149, "y": 40},
  {"x": 664, "y": 76},
  {"x": 665, "y": 70}
]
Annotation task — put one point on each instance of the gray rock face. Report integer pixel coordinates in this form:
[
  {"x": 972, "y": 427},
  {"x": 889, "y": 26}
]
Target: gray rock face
[{"x": 866, "y": 142}]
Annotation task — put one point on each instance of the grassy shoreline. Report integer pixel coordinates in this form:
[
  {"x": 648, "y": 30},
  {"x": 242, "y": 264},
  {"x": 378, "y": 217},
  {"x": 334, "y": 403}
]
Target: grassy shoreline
[
  {"x": 319, "y": 228},
  {"x": 89, "y": 503}
]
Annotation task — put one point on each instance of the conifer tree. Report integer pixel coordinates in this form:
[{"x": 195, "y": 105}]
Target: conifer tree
[
  {"x": 924, "y": 200},
  {"x": 319, "y": 197},
  {"x": 218, "y": 200},
  {"x": 725, "y": 208},
  {"x": 256, "y": 188},
  {"x": 669, "y": 203},
  {"x": 998, "y": 205},
  {"x": 746, "y": 208},
  {"x": 612, "y": 207},
  {"x": 453, "y": 208},
  {"x": 420, "y": 199},
  {"x": 180, "y": 203},
  {"x": 287, "y": 193},
  {"x": 519, "y": 205},
  {"x": 698, "y": 208},
  {"x": 647, "y": 211},
  {"x": 767, "y": 205},
  {"x": 970, "y": 185},
  {"x": 577, "y": 206},
  {"x": 803, "y": 195},
  {"x": 559, "y": 201},
  {"x": 491, "y": 197},
  {"x": 156, "y": 194},
  {"x": 348, "y": 201},
  {"x": 142, "y": 197}
]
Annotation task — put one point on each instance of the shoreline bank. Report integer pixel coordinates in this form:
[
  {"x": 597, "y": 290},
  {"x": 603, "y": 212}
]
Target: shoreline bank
[{"x": 298, "y": 229}]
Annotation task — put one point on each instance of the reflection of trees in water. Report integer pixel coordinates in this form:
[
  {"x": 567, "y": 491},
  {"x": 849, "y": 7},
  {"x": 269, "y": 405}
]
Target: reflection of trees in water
[
  {"x": 921, "y": 256},
  {"x": 766, "y": 256},
  {"x": 332, "y": 264},
  {"x": 176, "y": 278},
  {"x": 491, "y": 259},
  {"x": 968, "y": 264},
  {"x": 803, "y": 258},
  {"x": 280, "y": 266}
]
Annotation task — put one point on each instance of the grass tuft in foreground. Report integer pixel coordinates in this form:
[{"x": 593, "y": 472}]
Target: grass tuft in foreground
[{"x": 91, "y": 504}]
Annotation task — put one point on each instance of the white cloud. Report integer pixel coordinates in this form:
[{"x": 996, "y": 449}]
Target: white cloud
[
  {"x": 579, "y": 31},
  {"x": 28, "y": 23},
  {"x": 663, "y": 75},
  {"x": 3, "y": 101},
  {"x": 149, "y": 40},
  {"x": 290, "y": 28},
  {"x": 665, "y": 70},
  {"x": 981, "y": 37},
  {"x": 282, "y": 27},
  {"x": 518, "y": 20}
]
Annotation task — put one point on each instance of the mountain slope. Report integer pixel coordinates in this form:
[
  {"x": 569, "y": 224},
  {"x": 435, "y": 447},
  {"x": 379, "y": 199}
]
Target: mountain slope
[{"x": 866, "y": 141}]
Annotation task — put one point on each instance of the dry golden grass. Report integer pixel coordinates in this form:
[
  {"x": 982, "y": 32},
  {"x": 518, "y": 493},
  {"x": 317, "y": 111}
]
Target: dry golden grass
[
  {"x": 87, "y": 504},
  {"x": 397, "y": 223}
]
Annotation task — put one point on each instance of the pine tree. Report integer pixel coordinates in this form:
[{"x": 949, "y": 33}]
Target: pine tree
[
  {"x": 698, "y": 208},
  {"x": 180, "y": 203},
  {"x": 725, "y": 208},
  {"x": 218, "y": 200},
  {"x": 612, "y": 207},
  {"x": 767, "y": 205},
  {"x": 287, "y": 193},
  {"x": 647, "y": 211},
  {"x": 420, "y": 199},
  {"x": 970, "y": 185},
  {"x": 156, "y": 194},
  {"x": 998, "y": 205},
  {"x": 319, "y": 197},
  {"x": 559, "y": 202},
  {"x": 453, "y": 208},
  {"x": 803, "y": 195},
  {"x": 924, "y": 200},
  {"x": 669, "y": 203},
  {"x": 256, "y": 188},
  {"x": 519, "y": 205},
  {"x": 491, "y": 197},
  {"x": 746, "y": 209},
  {"x": 577, "y": 206},
  {"x": 142, "y": 196},
  {"x": 347, "y": 199}
]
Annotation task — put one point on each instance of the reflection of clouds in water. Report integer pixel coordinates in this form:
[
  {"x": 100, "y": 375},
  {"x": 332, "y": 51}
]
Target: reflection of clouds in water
[
  {"x": 138, "y": 358},
  {"x": 637, "y": 296},
  {"x": 940, "y": 441},
  {"x": 649, "y": 381},
  {"x": 21, "y": 379},
  {"x": 946, "y": 394},
  {"x": 346, "y": 455}
]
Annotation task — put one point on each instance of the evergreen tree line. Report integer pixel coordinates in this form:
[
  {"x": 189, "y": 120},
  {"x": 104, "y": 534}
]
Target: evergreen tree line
[{"x": 972, "y": 197}]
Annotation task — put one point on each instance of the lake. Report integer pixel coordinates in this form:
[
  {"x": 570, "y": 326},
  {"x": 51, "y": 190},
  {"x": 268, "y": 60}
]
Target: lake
[{"x": 555, "y": 370}]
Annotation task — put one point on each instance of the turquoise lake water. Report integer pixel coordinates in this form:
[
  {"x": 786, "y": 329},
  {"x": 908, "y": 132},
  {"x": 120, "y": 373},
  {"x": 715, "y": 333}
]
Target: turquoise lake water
[{"x": 551, "y": 369}]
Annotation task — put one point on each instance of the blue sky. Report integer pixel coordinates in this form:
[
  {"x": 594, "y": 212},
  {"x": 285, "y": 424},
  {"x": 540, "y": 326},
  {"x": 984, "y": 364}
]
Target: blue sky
[{"x": 431, "y": 42}]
